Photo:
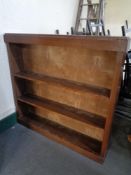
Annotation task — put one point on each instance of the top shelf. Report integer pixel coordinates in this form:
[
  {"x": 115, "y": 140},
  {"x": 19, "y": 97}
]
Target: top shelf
[
  {"x": 63, "y": 82},
  {"x": 102, "y": 43}
]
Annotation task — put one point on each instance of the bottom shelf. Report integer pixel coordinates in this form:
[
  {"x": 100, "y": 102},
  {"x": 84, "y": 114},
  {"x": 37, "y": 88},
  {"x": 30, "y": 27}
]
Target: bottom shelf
[{"x": 76, "y": 141}]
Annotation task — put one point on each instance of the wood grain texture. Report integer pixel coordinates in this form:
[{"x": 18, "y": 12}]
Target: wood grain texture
[
  {"x": 88, "y": 42},
  {"x": 69, "y": 111},
  {"x": 75, "y": 141},
  {"x": 113, "y": 99},
  {"x": 79, "y": 100},
  {"x": 66, "y": 87},
  {"x": 93, "y": 67},
  {"x": 66, "y": 116},
  {"x": 75, "y": 86}
]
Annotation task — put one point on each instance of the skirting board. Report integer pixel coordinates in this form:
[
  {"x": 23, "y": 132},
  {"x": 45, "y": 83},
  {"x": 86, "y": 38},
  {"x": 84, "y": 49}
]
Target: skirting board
[
  {"x": 7, "y": 112},
  {"x": 8, "y": 122}
]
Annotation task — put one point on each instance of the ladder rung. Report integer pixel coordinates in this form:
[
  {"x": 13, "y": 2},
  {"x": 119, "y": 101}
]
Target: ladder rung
[
  {"x": 93, "y": 19},
  {"x": 93, "y": 4},
  {"x": 84, "y": 4},
  {"x": 90, "y": 19},
  {"x": 89, "y": 4},
  {"x": 96, "y": 25},
  {"x": 83, "y": 18}
]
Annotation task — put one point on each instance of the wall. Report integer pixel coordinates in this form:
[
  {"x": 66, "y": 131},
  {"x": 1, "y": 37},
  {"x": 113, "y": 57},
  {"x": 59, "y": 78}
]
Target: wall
[
  {"x": 32, "y": 16},
  {"x": 116, "y": 12},
  {"x": 42, "y": 16}
]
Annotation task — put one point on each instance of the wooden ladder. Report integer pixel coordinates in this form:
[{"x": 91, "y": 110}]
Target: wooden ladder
[{"x": 94, "y": 18}]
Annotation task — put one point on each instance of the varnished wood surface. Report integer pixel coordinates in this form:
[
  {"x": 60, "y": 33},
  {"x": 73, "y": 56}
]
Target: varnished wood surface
[
  {"x": 95, "y": 42},
  {"x": 77, "y": 99},
  {"x": 81, "y": 65},
  {"x": 72, "y": 123},
  {"x": 76, "y": 86},
  {"x": 70, "y": 84},
  {"x": 113, "y": 99},
  {"x": 75, "y": 113},
  {"x": 67, "y": 116},
  {"x": 78, "y": 142}
]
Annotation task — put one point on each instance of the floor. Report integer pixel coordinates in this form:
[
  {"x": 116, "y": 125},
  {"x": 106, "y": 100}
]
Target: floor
[{"x": 25, "y": 152}]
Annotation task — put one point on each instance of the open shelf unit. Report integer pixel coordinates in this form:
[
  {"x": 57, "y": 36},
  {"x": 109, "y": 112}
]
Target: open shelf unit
[{"x": 66, "y": 87}]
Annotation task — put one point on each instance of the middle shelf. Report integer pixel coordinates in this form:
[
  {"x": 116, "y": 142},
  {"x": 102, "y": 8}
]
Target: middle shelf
[
  {"x": 72, "y": 112},
  {"x": 76, "y": 86}
]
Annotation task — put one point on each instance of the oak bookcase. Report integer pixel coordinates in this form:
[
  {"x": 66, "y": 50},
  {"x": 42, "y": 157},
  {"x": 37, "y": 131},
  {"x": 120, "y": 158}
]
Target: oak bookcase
[{"x": 66, "y": 87}]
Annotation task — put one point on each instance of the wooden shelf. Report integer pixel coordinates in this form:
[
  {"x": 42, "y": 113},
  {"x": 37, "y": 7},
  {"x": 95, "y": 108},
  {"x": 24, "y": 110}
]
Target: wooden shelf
[
  {"x": 72, "y": 112},
  {"x": 63, "y": 82},
  {"x": 62, "y": 134},
  {"x": 58, "y": 79}
]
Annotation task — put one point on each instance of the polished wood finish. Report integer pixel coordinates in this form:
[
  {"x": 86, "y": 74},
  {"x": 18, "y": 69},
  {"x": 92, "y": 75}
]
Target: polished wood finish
[
  {"x": 76, "y": 86},
  {"x": 66, "y": 87},
  {"x": 74, "y": 140},
  {"x": 86, "y": 120},
  {"x": 114, "y": 43}
]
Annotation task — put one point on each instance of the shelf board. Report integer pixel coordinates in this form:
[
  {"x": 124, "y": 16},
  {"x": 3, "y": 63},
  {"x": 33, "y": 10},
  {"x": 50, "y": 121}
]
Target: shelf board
[
  {"x": 71, "y": 138},
  {"x": 77, "y": 114},
  {"x": 77, "y": 86}
]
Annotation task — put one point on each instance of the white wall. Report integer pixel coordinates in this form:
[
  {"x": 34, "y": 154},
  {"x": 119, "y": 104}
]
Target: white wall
[
  {"x": 44, "y": 16},
  {"x": 29, "y": 16},
  {"x": 38, "y": 16},
  {"x": 116, "y": 12},
  {"x": 6, "y": 98}
]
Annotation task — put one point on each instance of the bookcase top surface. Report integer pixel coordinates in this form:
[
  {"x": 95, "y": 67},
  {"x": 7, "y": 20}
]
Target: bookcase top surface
[{"x": 119, "y": 44}]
